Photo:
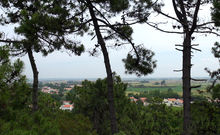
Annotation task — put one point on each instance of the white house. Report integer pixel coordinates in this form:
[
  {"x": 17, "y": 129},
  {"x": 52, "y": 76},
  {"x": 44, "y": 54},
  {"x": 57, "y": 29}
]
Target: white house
[
  {"x": 67, "y": 106},
  {"x": 49, "y": 90}
]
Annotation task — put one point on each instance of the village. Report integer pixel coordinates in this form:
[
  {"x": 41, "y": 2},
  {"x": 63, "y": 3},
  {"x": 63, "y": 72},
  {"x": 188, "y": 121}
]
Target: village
[
  {"x": 168, "y": 101},
  {"x": 67, "y": 105}
]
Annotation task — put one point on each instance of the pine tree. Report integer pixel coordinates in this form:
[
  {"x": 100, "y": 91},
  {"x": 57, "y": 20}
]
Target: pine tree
[
  {"x": 216, "y": 12},
  {"x": 38, "y": 35},
  {"x": 187, "y": 23},
  {"x": 99, "y": 14},
  {"x": 14, "y": 90}
]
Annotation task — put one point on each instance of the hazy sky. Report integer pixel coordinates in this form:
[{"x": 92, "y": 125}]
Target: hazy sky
[{"x": 62, "y": 65}]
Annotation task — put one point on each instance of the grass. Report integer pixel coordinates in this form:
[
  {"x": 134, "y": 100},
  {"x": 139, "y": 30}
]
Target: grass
[
  {"x": 177, "y": 108},
  {"x": 176, "y": 86},
  {"x": 132, "y": 92},
  {"x": 161, "y": 88}
]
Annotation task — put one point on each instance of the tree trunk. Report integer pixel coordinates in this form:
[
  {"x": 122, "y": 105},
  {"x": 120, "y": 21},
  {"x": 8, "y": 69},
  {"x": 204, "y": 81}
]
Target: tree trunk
[
  {"x": 35, "y": 80},
  {"x": 101, "y": 42},
  {"x": 186, "y": 83}
]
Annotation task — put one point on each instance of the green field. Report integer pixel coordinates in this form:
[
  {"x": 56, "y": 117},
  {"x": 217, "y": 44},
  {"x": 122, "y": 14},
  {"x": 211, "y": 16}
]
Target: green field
[
  {"x": 177, "y": 108},
  {"x": 175, "y": 85},
  {"x": 161, "y": 88}
]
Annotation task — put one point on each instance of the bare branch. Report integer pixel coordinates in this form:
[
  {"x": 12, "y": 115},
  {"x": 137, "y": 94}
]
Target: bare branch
[
  {"x": 178, "y": 45},
  {"x": 184, "y": 18},
  {"x": 195, "y": 45},
  {"x": 166, "y": 15},
  {"x": 178, "y": 13},
  {"x": 120, "y": 24},
  {"x": 127, "y": 38},
  {"x": 208, "y": 32},
  {"x": 195, "y": 17},
  {"x": 178, "y": 70},
  {"x": 197, "y": 86},
  {"x": 165, "y": 31},
  {"x": 203, "y": 24},
  {"x": 10, "y": 41},
  {"x": 212, "y": 86},
  {"x": 178, "y": 49},
  {"x": 196, "y": 49},
  {"x": 106, "y": 22},
  {"x": 204, "y": 80}
]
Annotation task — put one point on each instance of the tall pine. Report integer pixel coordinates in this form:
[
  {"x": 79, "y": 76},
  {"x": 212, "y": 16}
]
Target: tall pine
[{"x": 43, "y": 26}]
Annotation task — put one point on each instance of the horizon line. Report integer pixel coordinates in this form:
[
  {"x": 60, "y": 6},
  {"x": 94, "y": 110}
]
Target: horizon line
[{"x": 123, "y": 78}]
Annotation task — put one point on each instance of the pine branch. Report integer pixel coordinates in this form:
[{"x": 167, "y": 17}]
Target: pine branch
[
  {"x": 165, "y": 31},
  {"x": 10, "y": 41},
  {"x": 127, "y": 38},
  {"x": 179, "y": 49},
  {"x": 178, "y": 13},
  {"x": 197, "y": 86},
  {"x": 166, "y": 15},
  {"x": 196, "y": 49},
  {"x": 203, "y": 24},
  {"x": 199, "y": 79},
  {"x": 208, "y": 32},
  {"x": 195, "y": 17},
  {"x": 178, "y": 70}
]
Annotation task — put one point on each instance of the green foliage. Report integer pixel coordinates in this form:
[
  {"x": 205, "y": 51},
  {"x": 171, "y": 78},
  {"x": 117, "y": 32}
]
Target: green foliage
[
  {"x": 205, "y": 119},
  {"x": 78, "y": 124},
  {"x": 156, "y": 83},
  {"x": 16, "y": 116},
  {"x": 47, "y": 104},
  {"x": 216, "y": 12},
  {"x": 141, "y": 63},
  {"x": 216, "y": 92},
  {"x": 216, "y": 50},
  {"x": 13, "y": 87},
  {"x": 163, "y": 82},
  {"x": 140, "y": 88},
  {"x": 48, "y": 120},
  {"x": 150, "y": 94},
  {"x": 28, "y": 123},
  {"x": 126, "y": 30},
  {"x": 115, "y": 6},
  {"x": 35, "y": 19},
  {"x": 120, "y": 133},
  {"x": 161, "y": 120},
  {"x": 118, "y": 5},
  {"x": 215, "y": 75},
  {"x": 91, "y": 100},
  {"x": 141, "y": 10},
  {"x": 14, "y": 101},
  {"x": 70, "y": 95}
]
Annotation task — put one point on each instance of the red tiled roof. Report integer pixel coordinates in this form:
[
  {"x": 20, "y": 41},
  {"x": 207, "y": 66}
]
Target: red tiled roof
[
  {"x": 143, "y": 99},
  {"x": 67, "y": 106},
  {"x": 180, "y": 100},
  {"x": 132, "y": 98},
  {"x": 68, "y": 88},
  {"x": 171, "y": 99}
]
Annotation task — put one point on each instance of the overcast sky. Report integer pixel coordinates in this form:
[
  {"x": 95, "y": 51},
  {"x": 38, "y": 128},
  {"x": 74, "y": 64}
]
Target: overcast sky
[{"x": 62, "y": 65}]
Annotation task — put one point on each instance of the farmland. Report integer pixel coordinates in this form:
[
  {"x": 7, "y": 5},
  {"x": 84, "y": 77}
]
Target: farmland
[{"x": 161, "y": 85}]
